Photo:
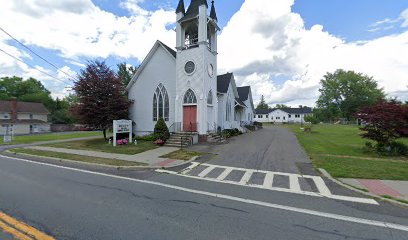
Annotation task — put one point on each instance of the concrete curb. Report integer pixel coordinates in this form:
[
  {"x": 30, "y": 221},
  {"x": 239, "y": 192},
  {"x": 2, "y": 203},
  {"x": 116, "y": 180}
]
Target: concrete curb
[
  {"x": 326, "y": 174},
  {"x": 101, "y": 165}
]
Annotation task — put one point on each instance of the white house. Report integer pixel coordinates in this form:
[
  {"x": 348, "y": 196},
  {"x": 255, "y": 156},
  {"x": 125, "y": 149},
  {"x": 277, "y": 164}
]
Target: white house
[
  {"x": 23, "y": 118},
  {"x": 282, "y": 115},
  {"x": 182, "y": 85}
]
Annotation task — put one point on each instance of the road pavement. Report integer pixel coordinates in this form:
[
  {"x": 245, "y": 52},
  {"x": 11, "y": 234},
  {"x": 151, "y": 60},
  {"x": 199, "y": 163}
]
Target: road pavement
[{"x": 72, "y": 204}]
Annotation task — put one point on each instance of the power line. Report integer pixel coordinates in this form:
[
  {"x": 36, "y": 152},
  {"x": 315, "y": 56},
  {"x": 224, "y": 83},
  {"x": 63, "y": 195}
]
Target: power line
[
  {"x": 32, "y": 51},
  {"x": 16, "y": 58}
]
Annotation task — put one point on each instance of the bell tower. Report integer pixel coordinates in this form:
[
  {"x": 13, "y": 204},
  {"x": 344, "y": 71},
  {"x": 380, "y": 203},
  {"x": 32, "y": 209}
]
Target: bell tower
[{"x": 196, "y": 67}]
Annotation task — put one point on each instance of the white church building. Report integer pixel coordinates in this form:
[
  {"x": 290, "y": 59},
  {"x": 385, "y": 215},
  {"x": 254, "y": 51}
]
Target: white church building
[{"x": 182, "y": 86}]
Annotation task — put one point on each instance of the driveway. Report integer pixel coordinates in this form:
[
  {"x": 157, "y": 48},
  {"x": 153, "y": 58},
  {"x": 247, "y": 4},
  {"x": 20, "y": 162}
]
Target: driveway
[{"x": 272, "y": 148}]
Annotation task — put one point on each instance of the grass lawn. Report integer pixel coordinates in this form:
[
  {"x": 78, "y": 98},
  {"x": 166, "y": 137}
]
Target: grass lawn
[
  {"x": 181, "y": 155},
  {"x": 50, "y": 137},
  {"x": 102, "y": 146},
  {"x": 339, "y": 150},
  {"x": 78, "y": 158}
]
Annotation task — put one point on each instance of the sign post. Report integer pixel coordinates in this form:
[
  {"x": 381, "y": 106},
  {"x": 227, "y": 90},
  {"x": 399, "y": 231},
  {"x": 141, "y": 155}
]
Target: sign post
[{"x": 122, "y": 126}]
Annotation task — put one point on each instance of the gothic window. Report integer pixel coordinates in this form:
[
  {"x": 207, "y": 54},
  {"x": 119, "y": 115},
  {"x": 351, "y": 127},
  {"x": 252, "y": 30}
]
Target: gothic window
[
  {"x": 161, "y": 104},
  {"x": 190, "y": 97},
  {"x": 210, "y": 98},
  {"x": 228, "y": 110}
]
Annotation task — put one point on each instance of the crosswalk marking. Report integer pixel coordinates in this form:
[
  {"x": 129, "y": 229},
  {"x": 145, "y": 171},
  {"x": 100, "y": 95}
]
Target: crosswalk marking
[
  {"x": 268, "y": 181},
  {"x": 206, "y": 171},
  {"x": 321, "y": 186},
  {"x": 294, "y": 183},
  {"x": 246, "y": 177},
  {"x": 224, "y": 174}
]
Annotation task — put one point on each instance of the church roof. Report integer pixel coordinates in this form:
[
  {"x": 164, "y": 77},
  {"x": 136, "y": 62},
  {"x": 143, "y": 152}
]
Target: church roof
[
  {"x": 193, "y": 9},
  {"x": 223, "y": 82},
  {"x": 213, "y": 14},
  {"x": 243, "y": 92},
  {"x": 172, "y": 51},
  {"x": 240, "y": 102},
  {"x": 180, "y": 7}
]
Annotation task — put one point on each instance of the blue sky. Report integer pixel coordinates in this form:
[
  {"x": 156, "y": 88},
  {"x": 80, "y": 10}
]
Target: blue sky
[{"x": 313, "y": 37}]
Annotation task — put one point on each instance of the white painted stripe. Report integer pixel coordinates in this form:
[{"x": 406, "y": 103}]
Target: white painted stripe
[
  {"x": 353, "y": 199},
  {"x": 206, "y": 171},
  {"x": 321, "y": 186},
  {"x": 224, "y": 174},
  {"x": 188, "y": 169},
  {"x": 261, "y": 171},
  {"x": 165, "y": 171},
  {"x": 294, "y": 183},
  {"x": 246, "y": 177},
  {"x": 237, "y": 199},
  {"x": 337, "y": 197},
  {"x": 268, "y": 180}
]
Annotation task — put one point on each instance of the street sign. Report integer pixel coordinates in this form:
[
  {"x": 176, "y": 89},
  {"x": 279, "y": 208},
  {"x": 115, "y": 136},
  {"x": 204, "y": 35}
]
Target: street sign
[{"x": 122, "y": 126}]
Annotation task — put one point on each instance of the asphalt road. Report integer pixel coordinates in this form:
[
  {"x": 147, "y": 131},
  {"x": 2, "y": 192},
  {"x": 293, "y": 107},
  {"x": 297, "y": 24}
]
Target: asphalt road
[
  {"x": 69, "y": 204},
  {"x": 271, "y": 148}
]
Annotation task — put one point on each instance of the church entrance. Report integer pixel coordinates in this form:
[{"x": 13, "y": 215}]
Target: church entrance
[{"x": 190, "y": 118}]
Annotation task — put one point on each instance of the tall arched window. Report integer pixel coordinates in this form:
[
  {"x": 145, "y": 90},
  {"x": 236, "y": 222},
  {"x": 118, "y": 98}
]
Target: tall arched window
[
  {"x": 190, "y": 97},
  {"x": 161, "y": 104},
  {"x": 210, "y": 98},
  {"x": 227, "y": 109}
]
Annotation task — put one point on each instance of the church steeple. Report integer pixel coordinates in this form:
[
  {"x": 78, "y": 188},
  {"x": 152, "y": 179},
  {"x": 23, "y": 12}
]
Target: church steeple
[
  {"x": 213, "y": 14},
  {"x": 180, "y": 7}
]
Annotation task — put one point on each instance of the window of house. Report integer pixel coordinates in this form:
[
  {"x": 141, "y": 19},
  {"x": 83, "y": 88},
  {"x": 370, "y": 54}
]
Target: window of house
[
  {"x": 190, "y": 97},
  {"x": 31, "y": 116},
  {"x": 210, "y": 98},
  {"x": 228, "y": 110},
  {"x": 290, "y": 116},
  {"x": 5, "y": 116},
  {"x": 161, "y": 104},
  {"x": 297, "y": 115}
]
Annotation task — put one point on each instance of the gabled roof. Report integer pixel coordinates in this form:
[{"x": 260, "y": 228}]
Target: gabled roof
[
  {"x": 297, "y": 110},
  {"x": 263, "y": 111},
  {"x": 180, "y": 7},
  {"x": 24, "y": 107},
  {"x": 243, "y": 92},
  {"x": 305, "y": 110},
  {"x": 241, "y": 103},
  {"x": 223, "y": 82},
  {"x": 193, "y": 9},
  {"x": 157, "y": 44},
  {"x": 22, "y": 121}
]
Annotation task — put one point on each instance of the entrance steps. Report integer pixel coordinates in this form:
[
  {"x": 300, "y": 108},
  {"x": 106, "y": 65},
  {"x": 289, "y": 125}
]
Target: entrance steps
[
  {"x": 215, "y": 138},
  {"x": 181, "y": 139}
]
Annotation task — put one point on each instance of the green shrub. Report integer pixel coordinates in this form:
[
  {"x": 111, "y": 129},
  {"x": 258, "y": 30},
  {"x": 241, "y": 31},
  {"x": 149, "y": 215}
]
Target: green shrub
[
  {"x": 312, "y": 119},
  {"x": 161, "y": 131},
  {"x": 398, "y": 149},
  {"x": 147, "y": 138}
]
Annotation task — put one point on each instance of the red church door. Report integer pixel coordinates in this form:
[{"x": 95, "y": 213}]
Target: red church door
[{"x": 190, "y": 118}]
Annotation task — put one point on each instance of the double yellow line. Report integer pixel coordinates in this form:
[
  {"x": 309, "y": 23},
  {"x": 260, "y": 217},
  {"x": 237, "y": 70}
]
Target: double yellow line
[{"x": 21, "y": 230}]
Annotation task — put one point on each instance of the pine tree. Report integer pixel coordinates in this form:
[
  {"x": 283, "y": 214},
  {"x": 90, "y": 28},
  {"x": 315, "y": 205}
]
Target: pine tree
[{"x": 262, "y": 104}]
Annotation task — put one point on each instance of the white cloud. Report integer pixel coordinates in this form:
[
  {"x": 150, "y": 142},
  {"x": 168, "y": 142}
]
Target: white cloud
[
  {"x": 404, "y": 17},
  {"x": 78, "y": 28},
  {"x": 272, "y": 41}
]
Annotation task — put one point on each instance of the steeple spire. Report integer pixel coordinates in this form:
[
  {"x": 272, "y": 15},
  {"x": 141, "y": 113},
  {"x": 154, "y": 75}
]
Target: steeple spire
[
  {"x": 180, "y": 7},
  {"x": 213, "y": 14}
]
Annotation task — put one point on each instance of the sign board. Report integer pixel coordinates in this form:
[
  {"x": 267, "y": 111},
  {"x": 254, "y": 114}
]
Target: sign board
[
  {"x": 122, "y": 126},
  {"x": 7, "y": 139}
]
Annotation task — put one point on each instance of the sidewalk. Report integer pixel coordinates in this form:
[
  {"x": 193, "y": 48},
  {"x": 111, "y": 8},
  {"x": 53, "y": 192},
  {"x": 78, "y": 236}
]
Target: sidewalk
[
  {"x": 151, "y": 157},
  {"x": 395, "y": 189}
]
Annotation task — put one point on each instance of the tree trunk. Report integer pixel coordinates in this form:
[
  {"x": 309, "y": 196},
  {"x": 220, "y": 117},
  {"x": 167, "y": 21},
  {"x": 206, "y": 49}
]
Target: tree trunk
[{"x": 104, "y": 134}]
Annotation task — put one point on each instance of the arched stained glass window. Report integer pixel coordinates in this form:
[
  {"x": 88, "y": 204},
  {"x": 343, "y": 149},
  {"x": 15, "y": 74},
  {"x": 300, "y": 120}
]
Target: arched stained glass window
[
  {"x": 210, "y": 98},
  {"x": 190, "y": 97},
  {"x": 161, "y": 104}
]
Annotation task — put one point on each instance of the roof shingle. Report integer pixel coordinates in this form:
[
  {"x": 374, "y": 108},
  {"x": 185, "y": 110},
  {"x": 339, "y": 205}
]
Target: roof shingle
[
  {"x": 24, "y": 107},
  {"x": 223, "y": 82}
]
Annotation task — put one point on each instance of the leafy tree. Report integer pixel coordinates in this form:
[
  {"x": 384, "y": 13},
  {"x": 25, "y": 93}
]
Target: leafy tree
[
  {"x": 30, "y": 90},
  {"x": 281, "y": 106},
  {"x": 312, "y": 119},
  {"x": 101, "y": 96},
  {"x": 343, "y": 93},
  {"x": 385, "y": 122},
  {"x": 62, "y": 113},
  {"x": 161, "y": 130},
  {"x": 262, "y": 104},
  {"x": 126, "y": 73}
]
